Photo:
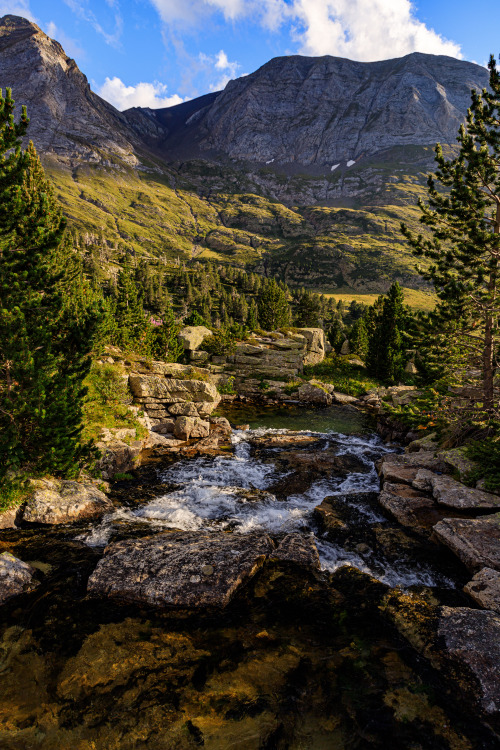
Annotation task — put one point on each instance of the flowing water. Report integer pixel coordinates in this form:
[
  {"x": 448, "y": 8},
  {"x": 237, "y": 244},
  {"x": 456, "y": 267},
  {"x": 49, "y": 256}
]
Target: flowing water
[{"x": 293, "y": 663}]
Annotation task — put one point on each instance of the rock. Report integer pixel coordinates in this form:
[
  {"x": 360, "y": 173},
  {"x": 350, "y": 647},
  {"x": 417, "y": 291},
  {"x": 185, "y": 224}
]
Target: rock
[
  {"x": 314, "y": 394},
  {"x": 345, "y": 348},
  {"x": 243, "y": 427},
  {"x": 186, "y": 428},
  {"x": 393, "y": 472},
  {"x": 192, "y": 337},
  {"x": 426, "y": 443},
  {"x": 343, "y": 398},
  {"x": 166, "y": 570},
  {"x": 422, "y": 460},
  {"x": 187, "y": 409},
  {"x": 281, "y": 441},
  {"x": 315, "y": 341},
  {"x": 8, "y": 518},
  {"x": 356, "y": 362},
  {"x": 456, "y": 459},
  {"x": 475, "y": 541},
  {"x": 299, "y": 549},
  {"x": 453, "y": 494},
  {"x": 15, "y": 577},
  {"x": 485, "y": 589},
  {"x": 170, "y": 391},
  {"x": 329, "y": 519},
  {"x": 408, "y": 506},
  {"x": 55, "y": 502},
  {"x": 155, "y": 441},
  {"x": 163, "y": 426},
  {"x": 118, "y": 457},
  {"x": 471, "y": 651},
  {"x": 423, "y": 479},
  {"x": 220, "y": 424}
]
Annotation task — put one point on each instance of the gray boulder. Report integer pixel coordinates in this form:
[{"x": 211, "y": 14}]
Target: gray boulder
[
  {"x": 55, "y": 502},
  {"x": 15, "y": 577},
  {"x": 186, "y": 428},
  {"x": 314, "y": 394},
  {"x": 192, "y": 337}
]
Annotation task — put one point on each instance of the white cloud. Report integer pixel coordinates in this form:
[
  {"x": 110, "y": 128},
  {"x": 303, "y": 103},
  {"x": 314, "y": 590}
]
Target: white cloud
[
  {"x": 71, "y": 47},
  {"x": 80, "y": 9},
  {"x": 142, "y": 95},
  {"x": 17, "y": 8},
  {"x": 364, "y": 30},
  {"x": 220, "y": 63}
]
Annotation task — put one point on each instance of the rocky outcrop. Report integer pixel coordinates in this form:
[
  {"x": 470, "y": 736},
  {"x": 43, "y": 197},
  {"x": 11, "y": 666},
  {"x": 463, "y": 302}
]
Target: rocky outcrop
[
  {"x": 67, "y": 118},
  {"x": 475, "y": 541},
  {"x": 16, "y": 577},
  {"x": 191, "y": 427},
  {"x": 314, "y": 393},
  {"x": 55, "y": 502},
  {"x": 164, "y": 399},
  {"x": 118, "y": 457},
  {"x": 485, "y": 589},
  {"x": 316, "y": 345}
]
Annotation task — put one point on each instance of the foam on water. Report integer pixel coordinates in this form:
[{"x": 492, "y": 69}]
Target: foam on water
[{"x": 216, "y": 494}]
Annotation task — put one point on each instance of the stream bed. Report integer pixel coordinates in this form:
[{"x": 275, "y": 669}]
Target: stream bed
[{"x": 299, "y": 659}]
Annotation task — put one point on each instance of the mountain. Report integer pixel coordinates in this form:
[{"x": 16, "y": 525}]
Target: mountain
[{"x": 303, "y": 169}]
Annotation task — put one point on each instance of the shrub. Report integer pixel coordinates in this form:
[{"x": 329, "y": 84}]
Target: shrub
[{"x": 221, "y": 343}]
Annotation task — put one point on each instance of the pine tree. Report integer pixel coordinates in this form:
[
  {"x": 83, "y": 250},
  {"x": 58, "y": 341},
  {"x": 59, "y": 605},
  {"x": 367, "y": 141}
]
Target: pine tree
[
  {"x": 274, "y": 310},
  {"x": 132, "y": 322},
  {"x": 463, "y": 216},
  {"x": 46, "y": 329},
  {"x": 385, "y": 323},
  {"x": 358, "y": 339},
  {"x": 253, "y": 315},
  {"x": 164, "y": 344}
]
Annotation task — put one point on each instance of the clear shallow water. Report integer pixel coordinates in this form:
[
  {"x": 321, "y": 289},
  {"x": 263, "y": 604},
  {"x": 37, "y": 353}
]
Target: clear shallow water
[{"x": 232, "y": 493}]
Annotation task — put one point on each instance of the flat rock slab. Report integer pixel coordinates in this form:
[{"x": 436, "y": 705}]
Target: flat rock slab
[
  {"x": 409, "y": 506},
  {"x": 56, "y": 502},
  {"x": 422, "y": 459},
  {"x": 179, "y": 569},
  {"x": 485, "y": 589},
  {"x": 393, "y": 472},
  {"x": 281, "y": 441},
  {"x": 453, "y": 494},
  {"x": 475, "y": 541},
  {"x": 15, "y": 577},
  {"x": 471, "y": 647}
]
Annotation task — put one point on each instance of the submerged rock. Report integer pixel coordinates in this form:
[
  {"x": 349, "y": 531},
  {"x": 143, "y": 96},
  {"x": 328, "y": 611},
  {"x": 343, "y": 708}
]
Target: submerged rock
[
  {"x": 453, "y": 494},
  {"x": 15, "y": 577},
  {"x": 179, "y": 569},
  {"x": 54, "y": 502},
  {"x": 475, "y": 541},
  {"x": 485, "y": 589}
]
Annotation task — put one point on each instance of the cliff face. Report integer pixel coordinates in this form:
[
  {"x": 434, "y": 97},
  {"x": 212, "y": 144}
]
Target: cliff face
[
  {"x": 326, "y": 111},
  {"x": 67, "y": 118}
]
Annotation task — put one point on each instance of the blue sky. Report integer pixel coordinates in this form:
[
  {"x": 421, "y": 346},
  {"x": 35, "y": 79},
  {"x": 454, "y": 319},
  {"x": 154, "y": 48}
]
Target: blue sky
[{"x": 159, "y": 52}]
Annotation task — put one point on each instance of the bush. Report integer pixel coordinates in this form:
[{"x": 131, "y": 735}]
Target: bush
[
  {"x": 221, "y": 343},
  {"x": 486, "y": 453},
  {"x": 345, "y": 377},
  {"x": 106, "y": 385}
]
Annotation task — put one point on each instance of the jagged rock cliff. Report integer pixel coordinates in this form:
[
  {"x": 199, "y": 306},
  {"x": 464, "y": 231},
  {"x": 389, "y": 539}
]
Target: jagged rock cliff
[
  {"x": 327, "y": 111},
  {"x": 67, "y": 118}
]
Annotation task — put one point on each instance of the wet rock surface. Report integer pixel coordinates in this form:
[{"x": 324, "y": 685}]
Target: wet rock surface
[
  {"x": 476, "y": 542},
  {"x": 16, "y": 577},
  {"x": 409, "y": 506},
  {"x": 54, "y": 502}
]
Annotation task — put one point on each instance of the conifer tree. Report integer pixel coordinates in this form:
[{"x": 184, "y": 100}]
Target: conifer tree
[
  {"x": 274, "y": 310},
  {"x": 463, "y": 216},
  {"x": 385, "y": 355},
  {"x": 46, "y": 331},
  {"x": 358, "y": 338}
]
